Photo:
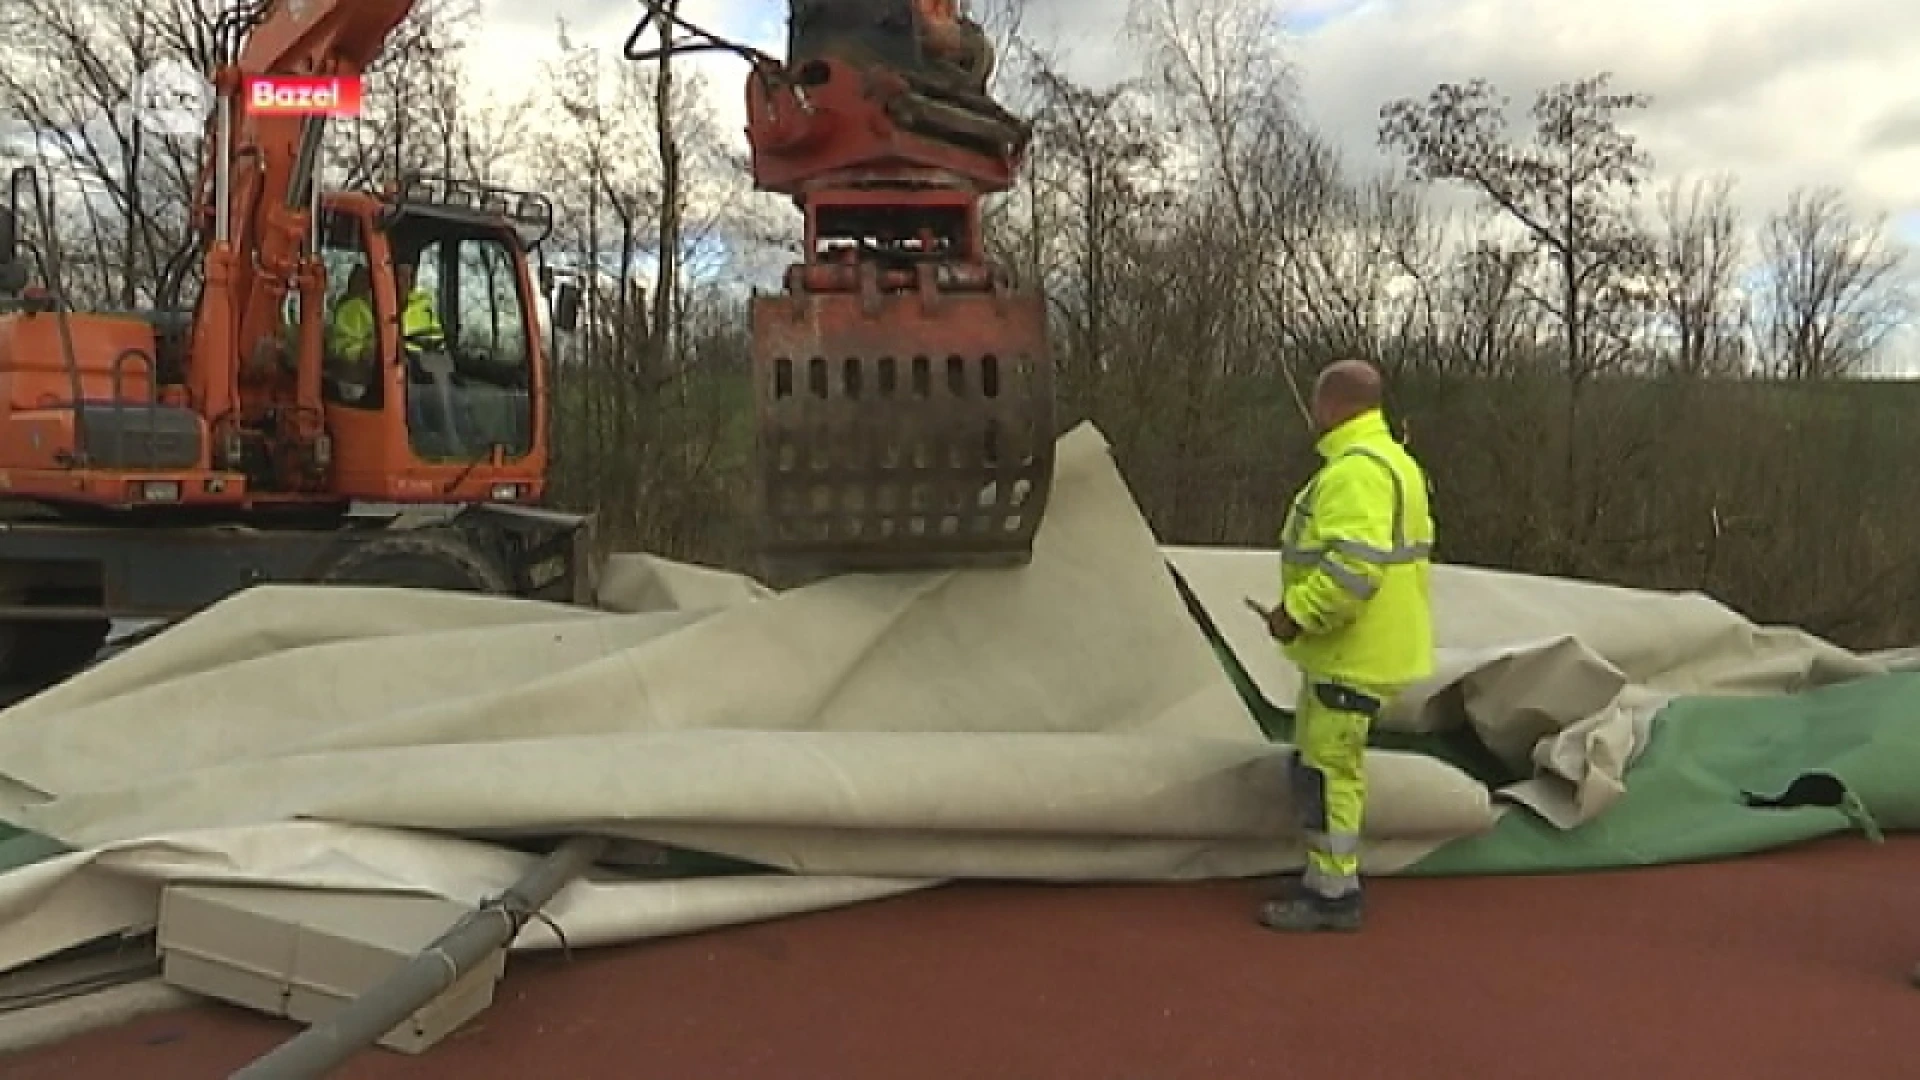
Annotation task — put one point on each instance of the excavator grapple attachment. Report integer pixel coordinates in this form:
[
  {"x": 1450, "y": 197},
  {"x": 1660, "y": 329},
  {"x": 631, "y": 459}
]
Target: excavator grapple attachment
[
  {"x": 903, "y": 390},
  {"x": 908, "y": 430}
]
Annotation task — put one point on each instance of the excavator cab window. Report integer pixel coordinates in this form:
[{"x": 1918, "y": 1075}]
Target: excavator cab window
[
  {"x": 469, "y": 386},
  {"x": 352, "y": 344}
]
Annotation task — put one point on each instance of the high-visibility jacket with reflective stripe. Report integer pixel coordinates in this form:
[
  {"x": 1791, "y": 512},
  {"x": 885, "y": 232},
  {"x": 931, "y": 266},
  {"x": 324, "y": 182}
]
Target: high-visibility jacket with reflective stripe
[
  {"x": 350, "y": 334},
  {"x": 1354, "y": 561},
  {"x": 419, "y": 317}
]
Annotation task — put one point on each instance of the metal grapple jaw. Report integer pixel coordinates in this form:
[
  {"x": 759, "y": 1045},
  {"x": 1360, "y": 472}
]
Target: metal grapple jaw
[
  {"x": 903, "y": 391},
  {"x": 900, "y": 431}
]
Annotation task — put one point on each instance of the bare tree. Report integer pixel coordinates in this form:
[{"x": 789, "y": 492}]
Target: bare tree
[
  {"x": 1359, "y": 270},
  {"x": 1223, "y": 67},
  {"x": 1569, "y": 188},
  {"x": 1832, "y": 290},
  {"x": 1229, "y": 92},
  {"x": 67, "y": 73},
  {"x": 634, "y": 163},
  {"x": 1093, "y": 155},
  {"x": 1492, "y": 329},
  {"x": 417, "y": 114},
  {"x": 672, "y": 195},
  {"x": 1701, "y": 258}
]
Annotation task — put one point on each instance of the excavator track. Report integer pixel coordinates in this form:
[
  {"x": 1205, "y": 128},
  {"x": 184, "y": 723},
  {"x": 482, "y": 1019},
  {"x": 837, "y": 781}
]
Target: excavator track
[{"x": 38, "y": 652}]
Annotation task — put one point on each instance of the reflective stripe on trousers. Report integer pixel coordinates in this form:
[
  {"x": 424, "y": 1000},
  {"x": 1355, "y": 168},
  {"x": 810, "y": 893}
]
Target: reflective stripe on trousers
[
  {"x": 1401, "y": 552},
  {"x": 1333, "y": 863},
  {"x": 1329, "y": 781}
]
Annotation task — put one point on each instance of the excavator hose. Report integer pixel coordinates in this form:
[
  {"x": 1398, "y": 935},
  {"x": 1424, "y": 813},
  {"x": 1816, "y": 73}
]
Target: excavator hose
[{"x": 662, "y": 13}]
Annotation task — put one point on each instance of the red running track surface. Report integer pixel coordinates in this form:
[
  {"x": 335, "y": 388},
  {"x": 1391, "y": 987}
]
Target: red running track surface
[{"x": 1791, "y": 965}]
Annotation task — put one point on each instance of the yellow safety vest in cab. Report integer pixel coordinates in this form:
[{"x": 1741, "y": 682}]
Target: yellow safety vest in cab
[
  {"x": 350, "y": 334},
  {"x": 1355, "y": 561},
  {"x": 419, "y": 319}
]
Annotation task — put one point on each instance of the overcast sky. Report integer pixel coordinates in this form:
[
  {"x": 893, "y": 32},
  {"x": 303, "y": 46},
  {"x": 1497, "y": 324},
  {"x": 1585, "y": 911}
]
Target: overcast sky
[{"x": 1777, "y": 92}]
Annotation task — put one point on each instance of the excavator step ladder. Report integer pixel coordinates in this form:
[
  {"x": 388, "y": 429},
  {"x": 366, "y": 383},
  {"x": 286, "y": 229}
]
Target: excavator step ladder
[{"x": 899, "y": 432}]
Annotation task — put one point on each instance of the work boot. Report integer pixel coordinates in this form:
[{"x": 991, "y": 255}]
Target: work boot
[{"x": 1301, "y": 910}]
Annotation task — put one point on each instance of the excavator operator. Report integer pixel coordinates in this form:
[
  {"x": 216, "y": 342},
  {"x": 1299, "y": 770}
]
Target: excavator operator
[
  {"x": 419, "y": 321},
  {"x": 350, "y": 338},
  {"x": 423, "y": 348}
]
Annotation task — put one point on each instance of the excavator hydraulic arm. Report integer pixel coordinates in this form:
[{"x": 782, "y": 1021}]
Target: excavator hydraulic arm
[{"x": 904, "y": 390}]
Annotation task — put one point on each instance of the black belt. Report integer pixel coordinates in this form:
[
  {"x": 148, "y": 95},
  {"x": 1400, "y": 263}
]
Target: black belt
[{"x": 1347, "y": 699}]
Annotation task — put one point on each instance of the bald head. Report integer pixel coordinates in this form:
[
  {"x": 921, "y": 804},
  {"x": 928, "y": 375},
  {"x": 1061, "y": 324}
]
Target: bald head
[{"x": 1344, "y": 390}]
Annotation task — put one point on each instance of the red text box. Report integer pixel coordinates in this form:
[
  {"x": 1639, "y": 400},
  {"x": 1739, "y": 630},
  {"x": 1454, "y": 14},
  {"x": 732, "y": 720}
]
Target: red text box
[{"x": 302, "y": 95}]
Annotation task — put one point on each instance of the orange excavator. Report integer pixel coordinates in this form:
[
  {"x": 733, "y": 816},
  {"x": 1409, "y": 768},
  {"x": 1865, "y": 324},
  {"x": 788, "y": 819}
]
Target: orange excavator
[
  {"x": 903, "y": 388},
  {"x": 152, "y": 462}
]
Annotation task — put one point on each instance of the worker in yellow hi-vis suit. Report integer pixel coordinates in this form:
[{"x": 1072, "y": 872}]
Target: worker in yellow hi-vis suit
[
  {"x": 419, "y": 322},
  {"x": 352, "y": 350},
  {"x": 1354, "y": 617}
]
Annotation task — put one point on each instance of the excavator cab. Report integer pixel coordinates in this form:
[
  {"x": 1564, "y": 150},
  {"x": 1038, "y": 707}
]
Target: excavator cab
[{"x": 433, "y": 371}]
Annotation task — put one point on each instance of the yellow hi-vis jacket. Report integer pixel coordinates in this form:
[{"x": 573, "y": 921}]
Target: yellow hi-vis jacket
[
  {"x": 1354, "y": 561},
  {"x": 350, "y": 334},
  {"x": 419, "y": 317}
]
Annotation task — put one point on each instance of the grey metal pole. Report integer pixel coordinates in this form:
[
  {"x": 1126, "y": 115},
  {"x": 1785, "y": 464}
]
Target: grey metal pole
[{"x": 359, "y": 1024}]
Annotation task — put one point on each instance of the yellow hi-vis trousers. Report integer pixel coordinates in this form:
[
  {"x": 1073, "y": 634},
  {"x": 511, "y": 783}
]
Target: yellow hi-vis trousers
[{"x": 1329, "y": 778}]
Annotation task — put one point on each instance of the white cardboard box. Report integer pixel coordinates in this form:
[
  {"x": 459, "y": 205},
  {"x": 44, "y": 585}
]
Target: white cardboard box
[{"x": 303, "y": 954}]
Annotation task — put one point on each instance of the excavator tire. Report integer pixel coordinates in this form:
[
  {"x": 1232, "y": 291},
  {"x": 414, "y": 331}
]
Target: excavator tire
[
  {"x": 34, "y": 654},
  {"x": 438, "y": 557}
]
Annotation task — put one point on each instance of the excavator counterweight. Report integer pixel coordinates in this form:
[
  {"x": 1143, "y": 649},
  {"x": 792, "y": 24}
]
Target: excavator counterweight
[{"x": 903, "y": 388}]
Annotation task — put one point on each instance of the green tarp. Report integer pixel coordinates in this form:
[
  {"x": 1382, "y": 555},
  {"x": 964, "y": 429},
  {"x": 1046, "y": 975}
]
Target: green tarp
[
  {"x": 1685, "y": 796},
  {"x": 19, "y": 847}
]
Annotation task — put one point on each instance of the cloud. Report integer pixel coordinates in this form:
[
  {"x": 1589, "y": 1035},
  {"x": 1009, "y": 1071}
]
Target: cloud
[
  {"x": 515, "y": 37},
  {"x": 1086, "y": 37},
  {"x": 1779, "y": 93},
  {"x": 1898, "y": 130},
  {"x": 1308, "y": 16}
]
